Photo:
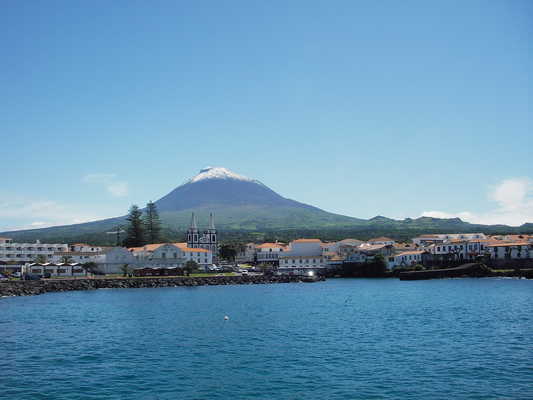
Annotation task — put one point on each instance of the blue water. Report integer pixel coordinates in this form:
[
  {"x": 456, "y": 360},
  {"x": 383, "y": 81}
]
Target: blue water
[{"x": 340, "y": 339}]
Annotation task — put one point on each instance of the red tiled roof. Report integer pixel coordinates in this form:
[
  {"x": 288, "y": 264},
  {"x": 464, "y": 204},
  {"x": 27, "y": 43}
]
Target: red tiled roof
[
  {"x": 509, "y": 244},
  {"x": 267, "y": 245},
  {"x": 381, "y": 239}
]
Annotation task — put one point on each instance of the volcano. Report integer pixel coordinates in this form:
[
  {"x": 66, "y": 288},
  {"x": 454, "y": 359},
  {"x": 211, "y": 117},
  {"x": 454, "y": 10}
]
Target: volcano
[
  {"x": 244, "y": 204},
  {"x": 240, "y": 202}
]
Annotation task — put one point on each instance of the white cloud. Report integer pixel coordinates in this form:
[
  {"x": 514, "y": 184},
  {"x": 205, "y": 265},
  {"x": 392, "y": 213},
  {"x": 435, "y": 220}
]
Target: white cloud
[
  {"x": 22, "y": 213},
  {"x": 514, "y": 205},
  {"x": 114, "y": 186}
]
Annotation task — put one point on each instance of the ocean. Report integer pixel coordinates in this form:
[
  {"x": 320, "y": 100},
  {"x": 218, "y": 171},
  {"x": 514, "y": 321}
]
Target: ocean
[{"x": 338, "y": 339}]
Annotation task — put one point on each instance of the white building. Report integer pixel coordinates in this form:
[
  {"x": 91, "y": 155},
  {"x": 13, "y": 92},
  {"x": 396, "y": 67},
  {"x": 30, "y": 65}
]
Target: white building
[
  {"x": 170, "y": 255},
  {"x": 268, "y": 253},
  {"x": 28, "y": 252},
  {"x": 203, "y": 257},
  {"x": 303, "y": 256},
  {"x": 55, "y": 270},
  {"x": 247, "y": 254},
  {"x": 424, "y": 240},
  {"x": 84, "y": 248},
  {"x": 405, "y": 259},
  {"x": 385, "y": 241},
  {"x": 510, "y": 251},
  {"x": 110, "y": 260},
  {"x": 458, "y": 249}
]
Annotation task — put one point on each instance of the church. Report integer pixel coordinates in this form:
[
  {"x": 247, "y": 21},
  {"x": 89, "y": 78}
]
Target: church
[{"x": 207, "y": 240}]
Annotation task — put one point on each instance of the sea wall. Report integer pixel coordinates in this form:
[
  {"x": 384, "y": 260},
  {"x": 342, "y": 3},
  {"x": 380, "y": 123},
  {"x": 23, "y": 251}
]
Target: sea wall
[
  {"x": 28, "y": 288},
  {"x": 473, "y": 270}
]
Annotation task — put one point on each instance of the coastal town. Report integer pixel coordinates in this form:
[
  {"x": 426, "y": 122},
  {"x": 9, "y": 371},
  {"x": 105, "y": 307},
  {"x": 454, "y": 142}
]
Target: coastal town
[{"x": 304, "y": 256}]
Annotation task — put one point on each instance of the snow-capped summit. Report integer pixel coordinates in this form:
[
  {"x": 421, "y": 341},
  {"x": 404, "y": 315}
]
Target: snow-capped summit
[{"x": 218, "y": 173}]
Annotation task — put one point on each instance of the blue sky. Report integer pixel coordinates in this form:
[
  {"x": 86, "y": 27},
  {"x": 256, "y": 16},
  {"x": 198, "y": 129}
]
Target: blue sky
[{"x": 361, "y": 108}]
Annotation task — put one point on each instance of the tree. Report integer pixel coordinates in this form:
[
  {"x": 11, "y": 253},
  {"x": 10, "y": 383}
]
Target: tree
[
  {"x": 190, "y": 266},
  {"x": 135, "y": 229},
  {"x": 152, "y": 224},
  {"x": 66, "y": 259},
  {"x": 90, "y": 267},
  {"x": 40, "y": 259},
  {"x": 125, "y": 269},
  {"x": 227, "y": 252}
]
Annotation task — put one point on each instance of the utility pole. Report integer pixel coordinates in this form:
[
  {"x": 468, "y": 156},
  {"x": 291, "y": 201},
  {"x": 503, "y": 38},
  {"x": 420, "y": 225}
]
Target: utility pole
[{"x": 117, "y": 232}]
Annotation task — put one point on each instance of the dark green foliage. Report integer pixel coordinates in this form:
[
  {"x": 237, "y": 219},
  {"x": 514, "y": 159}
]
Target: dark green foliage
[
  {"x": 91, "y": 267},
  {"x": 135, "y": 228},
  {"x": 227, "y": 252},
  {"x": 40, "y": 259},
  {"x": 152, "y": 224},
  {"x": 66, "y": 259},
  {"x": 126, "y": 270},
  {"x": 240, "y": 229},
  {"x": 190, "y": 267}
]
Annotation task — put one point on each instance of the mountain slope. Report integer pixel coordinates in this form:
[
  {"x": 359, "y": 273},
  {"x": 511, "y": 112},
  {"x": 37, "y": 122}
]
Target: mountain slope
[{"x": 244, "y": 204}]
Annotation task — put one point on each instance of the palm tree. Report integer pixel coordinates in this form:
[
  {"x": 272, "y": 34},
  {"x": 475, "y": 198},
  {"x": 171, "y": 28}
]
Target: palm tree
[
  {"x": 125, "y": 270},
  {"x": 40, "y": 259},
  {"x": 66, "y": 259},
  {"x": 90, "y": 267}
]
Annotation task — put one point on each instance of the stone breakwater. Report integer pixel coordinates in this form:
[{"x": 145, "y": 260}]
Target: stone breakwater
[{"x": 29, "y": 288}]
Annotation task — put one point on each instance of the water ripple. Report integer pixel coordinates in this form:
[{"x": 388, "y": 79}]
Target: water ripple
[{"x": 340, "y": 339}]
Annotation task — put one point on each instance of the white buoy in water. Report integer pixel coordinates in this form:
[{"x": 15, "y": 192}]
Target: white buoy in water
[{"x": 226, "y": 318}]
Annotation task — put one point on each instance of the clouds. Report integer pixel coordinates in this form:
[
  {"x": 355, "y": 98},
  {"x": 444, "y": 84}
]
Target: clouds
[
  {"x": 29, "y": 212},
  {"x": 18, "y": 213},
  {"x": 113, "y": 186},
  {"x": 514, "y": 199}
]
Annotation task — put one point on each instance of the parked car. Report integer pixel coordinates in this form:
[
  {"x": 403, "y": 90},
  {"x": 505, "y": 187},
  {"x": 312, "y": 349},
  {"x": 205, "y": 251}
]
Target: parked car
[{"x": 3, "y": 278}]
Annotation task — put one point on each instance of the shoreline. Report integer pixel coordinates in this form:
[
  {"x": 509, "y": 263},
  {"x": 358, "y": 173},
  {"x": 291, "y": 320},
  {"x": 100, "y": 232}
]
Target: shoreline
[{"x": 32, "y": 288}]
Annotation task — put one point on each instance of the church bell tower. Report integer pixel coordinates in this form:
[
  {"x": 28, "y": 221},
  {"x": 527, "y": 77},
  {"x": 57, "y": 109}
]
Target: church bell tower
[{"x": 192, "y": 234}]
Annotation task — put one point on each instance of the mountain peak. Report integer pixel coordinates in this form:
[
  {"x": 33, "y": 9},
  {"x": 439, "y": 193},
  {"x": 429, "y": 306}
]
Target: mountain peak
[{"x": 218, "y": 173}]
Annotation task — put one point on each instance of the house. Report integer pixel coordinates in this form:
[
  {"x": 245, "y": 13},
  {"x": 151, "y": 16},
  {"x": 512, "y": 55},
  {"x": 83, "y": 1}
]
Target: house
[
  {"x": 110, "y": 260},
  {"x": 367, "y": 252},
  {"x": 159, "y": 255},
  {"x": 170, "y": 255},
  {"x": 268, "y": 253},
  {"x": 425, "y": 240},
  {"x": 405, "y": 259},
  {"x": 201, "y": 256},
  {"x": 246, "y": 254},
  {"x": 510, "y": 251},
  {"x": 458, "y": 250},
  {"x": 381, "y": 241}
]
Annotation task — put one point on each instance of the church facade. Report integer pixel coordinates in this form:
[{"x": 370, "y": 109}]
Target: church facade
[{"x": 206, "y": 240}]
